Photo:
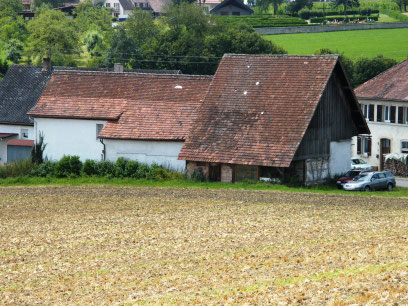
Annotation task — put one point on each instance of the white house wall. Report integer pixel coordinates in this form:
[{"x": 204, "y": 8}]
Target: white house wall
[
  {"x": 17, "y": 129},
  {"x": 395, "y": 132},
  {"x": 70, "y": 137},
  {"x": 340, "y": 156},
  {"x": 163, "y": 153}
]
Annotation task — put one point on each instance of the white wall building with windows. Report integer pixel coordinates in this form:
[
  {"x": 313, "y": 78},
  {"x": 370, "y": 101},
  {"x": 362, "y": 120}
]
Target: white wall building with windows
[{"x": 388, "y": 123}]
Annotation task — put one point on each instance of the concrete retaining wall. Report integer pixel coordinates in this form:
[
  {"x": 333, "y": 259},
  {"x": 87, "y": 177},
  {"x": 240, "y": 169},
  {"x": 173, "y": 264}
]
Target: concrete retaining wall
[{"x": 330, "y": 28}]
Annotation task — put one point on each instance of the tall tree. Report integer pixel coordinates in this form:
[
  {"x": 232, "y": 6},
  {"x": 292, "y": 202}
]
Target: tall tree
[
  {"x": 367, "y": 68},
  {"x": 295, "y": 6},
  {"x": 265, "y": 4},
  {"x": 92, "y": 17},
  {"x": 346, "y": 4},
  {"x": 51, "y": 32}
]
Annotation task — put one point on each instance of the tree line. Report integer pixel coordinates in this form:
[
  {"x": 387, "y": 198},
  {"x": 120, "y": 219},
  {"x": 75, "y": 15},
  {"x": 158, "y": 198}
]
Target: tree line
[{"x": 185, "y": 38}]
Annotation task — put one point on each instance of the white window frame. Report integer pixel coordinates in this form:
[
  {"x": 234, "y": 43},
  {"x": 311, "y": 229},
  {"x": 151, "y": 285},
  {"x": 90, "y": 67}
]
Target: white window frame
[
  {"x": 404, "y": 150},
  {"x": 24, "y": 133},
  {"x": 387, "y": 113},
  {"x": 99, "y": 127}
]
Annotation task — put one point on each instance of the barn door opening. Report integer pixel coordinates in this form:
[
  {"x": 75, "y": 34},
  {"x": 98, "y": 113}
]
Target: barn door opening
[
  {"x": 215, "y": 173},
  {"x": 385, "y": 148}
]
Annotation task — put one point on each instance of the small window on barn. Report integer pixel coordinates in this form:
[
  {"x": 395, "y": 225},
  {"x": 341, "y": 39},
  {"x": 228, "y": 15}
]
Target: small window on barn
[
  {"x": 24, "y": 133},
  {"x": 224, "y": 13},
  {"x": 99, "y": 128},
  {"x": 236, "y": 13}
]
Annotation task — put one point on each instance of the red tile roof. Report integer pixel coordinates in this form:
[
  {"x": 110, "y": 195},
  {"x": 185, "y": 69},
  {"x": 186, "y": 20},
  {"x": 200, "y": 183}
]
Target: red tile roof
[
  {"x": 392, "y": 84},
  {"x": 21, "y": 143},
  {"x": 7, "y": 135},
  {"x": 138, "y": 106},
  {"x": 257, "y": 109}
]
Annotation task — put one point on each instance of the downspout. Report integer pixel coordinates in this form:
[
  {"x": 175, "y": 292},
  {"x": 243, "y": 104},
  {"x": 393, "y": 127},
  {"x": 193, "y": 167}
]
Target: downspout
[{"x": 104, "y": 149}]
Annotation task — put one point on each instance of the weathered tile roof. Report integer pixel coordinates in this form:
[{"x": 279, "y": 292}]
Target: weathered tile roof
[
  {"x": 21, "y": 143},
  {"x": 22, "y": 86},
  {"x": 158, "y": 5},
  {"x": 392, "y": 84},
  {"x": 257, "y": 109},
  {"x": 138, "y": 106},
  {"x": 20, "y": 89}
]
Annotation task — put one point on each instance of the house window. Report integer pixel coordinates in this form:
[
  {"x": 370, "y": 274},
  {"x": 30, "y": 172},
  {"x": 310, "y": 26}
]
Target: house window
[
  {"x": 24, "y": 133},
  {"x": 387, "y": 114},
  {"x": 379, "y": 113},
  {"x": 236, "y": 13},
  {"x": 406, "y": 115},
  {"x": 368, "y": 111},
  {"x": 108, "y": 5},
  {"x": 364, "y": 145},
  {"x": 224, "y": 13},
  {"x": 404, "y": 146},
  {"x": 400, "y": 116},
  {"x": 99, "y": 128},
  {"x": 116, "y": 6}
]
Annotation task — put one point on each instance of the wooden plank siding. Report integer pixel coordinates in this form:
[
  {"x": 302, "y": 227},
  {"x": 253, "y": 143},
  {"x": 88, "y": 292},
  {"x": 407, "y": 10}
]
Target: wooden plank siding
[{"x": 331, "y": 121}]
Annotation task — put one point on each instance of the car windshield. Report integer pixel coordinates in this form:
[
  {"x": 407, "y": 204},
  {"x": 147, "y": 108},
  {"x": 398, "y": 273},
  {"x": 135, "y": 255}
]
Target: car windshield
[
  {"x": 352, "y": 173},
  {"x": 358, "y": 161},
  {"x": 361, "y": 178}
]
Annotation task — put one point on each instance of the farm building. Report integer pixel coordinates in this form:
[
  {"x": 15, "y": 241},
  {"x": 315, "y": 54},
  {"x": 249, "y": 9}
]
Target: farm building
[
  {"x": 274, "y": 115},
  {"x": 106, "y": 115},
  {"x": 383, "y": 101},
  {"x": 19, "y": 91}
]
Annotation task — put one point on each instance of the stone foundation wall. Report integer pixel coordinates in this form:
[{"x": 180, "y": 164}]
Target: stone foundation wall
[{"x": 198, "y": 167}]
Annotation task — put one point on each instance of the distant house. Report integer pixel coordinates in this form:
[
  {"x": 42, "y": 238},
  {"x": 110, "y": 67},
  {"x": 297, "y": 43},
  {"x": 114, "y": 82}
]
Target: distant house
[
  {"x": 121, "y": 9},
  {"x": 273, "y": 116},
  {"x": 105, "y": 115},
  {"x": 383, "y": 101},
  {"x": 209, "y": 4},
  {"x": 19, "y": 91},
  {"x": 232, "y": 7},
  {"x": 157, "y": 6}
]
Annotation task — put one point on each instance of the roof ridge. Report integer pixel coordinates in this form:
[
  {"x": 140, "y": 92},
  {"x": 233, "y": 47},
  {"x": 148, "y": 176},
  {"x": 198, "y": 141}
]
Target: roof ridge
[
  {"x": 281, "y": 55},
  {"x": 380, "y": 75},
  {"x": 132, "y": 73}
]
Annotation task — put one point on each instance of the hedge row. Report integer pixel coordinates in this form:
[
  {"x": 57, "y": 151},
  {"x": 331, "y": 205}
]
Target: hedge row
[
  {"x": 396, "y": 15},
  {"x": 257, "y": 21},
  {"x": 310, "y": 14},
  {"x": 71, "y": 166},
  {"x": 342, "y": 18}
]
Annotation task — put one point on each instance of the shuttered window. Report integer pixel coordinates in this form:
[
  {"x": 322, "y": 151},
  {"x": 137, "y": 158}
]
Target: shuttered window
[
  {"x": 379, "y": 113},
  {"x": 371, "y": 112},
  {"x": 400, "y": 115},
  {"x": 367, "y": 146},
  {"x": 392, "y": 117},
  {"x": 358, "y": 145}
]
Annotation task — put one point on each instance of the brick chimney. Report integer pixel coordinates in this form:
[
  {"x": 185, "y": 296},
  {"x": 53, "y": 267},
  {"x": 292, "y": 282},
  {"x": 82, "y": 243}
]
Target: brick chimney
[
  {"x": 117, "y": 67},
  {"x": 46, "y": 64}
]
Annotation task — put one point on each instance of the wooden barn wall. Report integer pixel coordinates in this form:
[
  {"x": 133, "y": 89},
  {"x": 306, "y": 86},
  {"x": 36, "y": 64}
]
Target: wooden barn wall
[{"x": 332, "y": 121}]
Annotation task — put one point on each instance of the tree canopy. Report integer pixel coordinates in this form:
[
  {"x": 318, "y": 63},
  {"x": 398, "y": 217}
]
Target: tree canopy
[
  {"x": 187, "y": 38},
  {"x": 51, "y": 32}
]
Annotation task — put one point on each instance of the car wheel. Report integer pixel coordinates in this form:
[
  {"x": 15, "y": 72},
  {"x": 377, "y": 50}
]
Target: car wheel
[
  {"x": 367, "y": 188},
  {"x": 390, "y": 187}
]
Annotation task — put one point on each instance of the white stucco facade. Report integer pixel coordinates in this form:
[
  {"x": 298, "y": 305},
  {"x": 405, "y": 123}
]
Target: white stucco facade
[
  {"x": 340, "y": 156},
  {"x": 163, "y": 153},
  {"x": 21, "y": 130},
  {"x": 396, "y": 132},
  {"x": 117, "y": 10},
  {"x": 70, "y": 137}
]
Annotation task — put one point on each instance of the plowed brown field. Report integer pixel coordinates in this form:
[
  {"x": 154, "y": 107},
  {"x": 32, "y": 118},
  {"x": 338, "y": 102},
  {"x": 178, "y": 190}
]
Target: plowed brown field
[{"x": 104, "y": 245}]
